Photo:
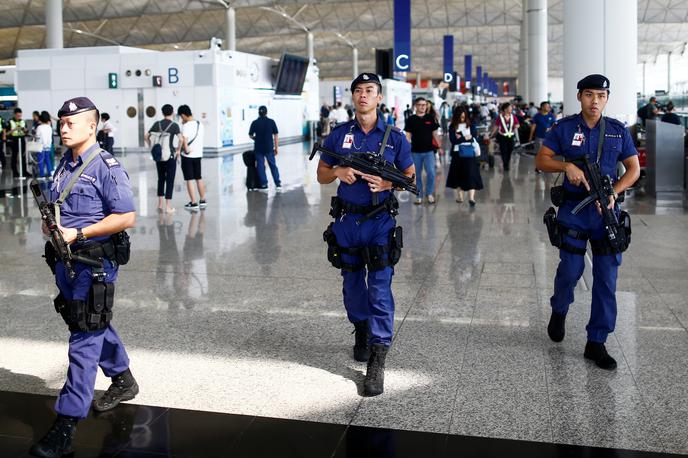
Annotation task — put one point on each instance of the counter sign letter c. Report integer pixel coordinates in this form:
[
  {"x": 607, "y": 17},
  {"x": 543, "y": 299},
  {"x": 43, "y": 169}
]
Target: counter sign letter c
[{"x": 405, "y": 58}]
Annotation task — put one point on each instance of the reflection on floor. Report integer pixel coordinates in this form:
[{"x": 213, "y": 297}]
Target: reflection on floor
[
  {"x": 235, "y": 309},
  {"x": 146, "y": 432}
]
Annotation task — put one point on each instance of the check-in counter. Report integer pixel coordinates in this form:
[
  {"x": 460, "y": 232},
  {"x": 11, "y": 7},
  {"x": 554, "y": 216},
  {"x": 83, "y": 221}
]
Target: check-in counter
[{"x": 665, "y": 160}]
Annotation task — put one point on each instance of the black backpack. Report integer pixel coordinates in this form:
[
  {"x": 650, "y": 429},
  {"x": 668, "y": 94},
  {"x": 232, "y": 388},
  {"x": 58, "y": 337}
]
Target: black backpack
[{"x": 642, "y": 112}]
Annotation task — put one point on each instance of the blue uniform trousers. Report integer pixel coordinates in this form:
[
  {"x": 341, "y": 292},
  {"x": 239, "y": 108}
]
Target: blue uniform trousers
[
  {"x": 260, "y": 165},
  {"x": 604, "y": 272},
  {"x": 368, "y": 294},
  {"x": 87, "y": 350}
]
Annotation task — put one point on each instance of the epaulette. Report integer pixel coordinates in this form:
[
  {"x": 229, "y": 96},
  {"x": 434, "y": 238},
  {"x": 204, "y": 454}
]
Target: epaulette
[
  {"x": 109, "y": 159},
  {"x": 565, "y": 119},
  {"x": 615, "y": 122},
  {"x": 340, "y": 125}
]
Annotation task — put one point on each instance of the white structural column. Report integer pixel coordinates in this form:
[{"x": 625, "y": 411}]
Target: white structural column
[
  {"x": 309, "y": 46},
  {"x": 231, "y": 29},
  {"x": 355, "y": 61},
  {"x": 523, "y": 56},
  {"x": 669, "y": 72},
  {"x": 537, "y": 50},
  {"x": 605, "y": 42},
  {"x": 53, "y": 24}
]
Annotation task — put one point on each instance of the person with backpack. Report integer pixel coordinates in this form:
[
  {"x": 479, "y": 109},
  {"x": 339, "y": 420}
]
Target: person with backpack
[
  {"x": 192, "y": 153},
  {"x": 161, "y": 138},
  {"x": 649, "y": 111}
]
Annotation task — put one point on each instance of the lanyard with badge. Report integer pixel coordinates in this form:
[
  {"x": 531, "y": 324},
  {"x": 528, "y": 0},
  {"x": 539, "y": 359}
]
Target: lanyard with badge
[
  {"x": 349, "y": 142},
  {"x": 579, "y": 138}
]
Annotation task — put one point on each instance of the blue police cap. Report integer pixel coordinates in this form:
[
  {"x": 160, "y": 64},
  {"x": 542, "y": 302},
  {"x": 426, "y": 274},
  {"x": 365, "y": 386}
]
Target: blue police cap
[
  {"x": 75, "y": 106},
  {"x": 365, "y": 78},
  {"x": 594, "y": 81}
]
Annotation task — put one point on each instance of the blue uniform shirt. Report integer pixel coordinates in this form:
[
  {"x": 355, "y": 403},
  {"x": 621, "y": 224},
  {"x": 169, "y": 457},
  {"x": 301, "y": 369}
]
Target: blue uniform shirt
[
  {"x": 618, "y": 144},
  {"x": 264, "y": 128},
  {"x": 349, "y": 138},
  {"x": 103, "y": 188},
  {"x": 542, "y": 123}
]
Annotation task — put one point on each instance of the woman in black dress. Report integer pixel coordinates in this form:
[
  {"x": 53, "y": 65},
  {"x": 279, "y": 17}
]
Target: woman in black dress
[{"x": 464, "y": 172}]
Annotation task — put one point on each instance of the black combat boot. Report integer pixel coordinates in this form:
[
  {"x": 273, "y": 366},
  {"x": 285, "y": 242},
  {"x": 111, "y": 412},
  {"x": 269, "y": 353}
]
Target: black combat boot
[
  {"x": 374, "y": 383},
  {"x": 123, "y": 388},
  {"x": 556, "y": 329},
  {"x": 361, "y": 347},
  {"x": 598, "y": 353},
  {"x": 58, "y": 441}
]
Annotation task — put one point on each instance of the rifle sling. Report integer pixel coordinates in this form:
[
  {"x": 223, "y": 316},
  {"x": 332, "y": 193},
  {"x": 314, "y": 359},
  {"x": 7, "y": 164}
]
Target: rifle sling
[
  {"x": 600, "y": 143},
  {"x": 383, "y": 145},
  {"x": 72, "y": 181}
]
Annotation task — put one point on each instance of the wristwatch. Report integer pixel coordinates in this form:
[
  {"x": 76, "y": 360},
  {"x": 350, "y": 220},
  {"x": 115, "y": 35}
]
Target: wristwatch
[{"x": 80, "y": 237}]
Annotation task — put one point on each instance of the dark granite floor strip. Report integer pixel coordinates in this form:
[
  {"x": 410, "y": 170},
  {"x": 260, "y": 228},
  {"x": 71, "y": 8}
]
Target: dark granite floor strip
[{"x": 144, "y": 431}]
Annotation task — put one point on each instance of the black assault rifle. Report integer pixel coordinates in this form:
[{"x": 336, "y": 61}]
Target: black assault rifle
[
  {"x": 372, "y": 164},
  {"x": 601, "y": 189},
  {"x": 62, "y": 250}
]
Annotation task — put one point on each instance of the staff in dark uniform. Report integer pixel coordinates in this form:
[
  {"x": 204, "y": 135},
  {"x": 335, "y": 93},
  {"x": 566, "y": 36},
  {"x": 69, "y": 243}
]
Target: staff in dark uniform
[
  {"x": 366, "y": 246},
  {"x": 93, "y": 204},
  {"x": 573, "y": 138}
]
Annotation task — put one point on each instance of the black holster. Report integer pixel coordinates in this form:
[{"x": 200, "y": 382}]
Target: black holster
[
  {"x": 121, "y": 248},
  {"x": 556, "y": 232},
  {"x": 374, "y": 257},
  {"x": 604, "y": 248},
  {"x": 91, "y": 315},
  {"x": 556, "y": 194},
  {"x": 50, "y": 256}
]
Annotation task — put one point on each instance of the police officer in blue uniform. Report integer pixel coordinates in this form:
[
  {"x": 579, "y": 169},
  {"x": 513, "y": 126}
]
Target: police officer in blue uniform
[
  {"x": 93, "y": 204},
  {"x": 366, "y": 249},
  {"x": 574, "y": 137}
]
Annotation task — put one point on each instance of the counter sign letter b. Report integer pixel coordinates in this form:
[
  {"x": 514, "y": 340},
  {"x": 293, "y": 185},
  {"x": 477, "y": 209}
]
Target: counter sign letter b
[
  {"x": 172, "y": 75},
  {"x": 112, "y": 80}
]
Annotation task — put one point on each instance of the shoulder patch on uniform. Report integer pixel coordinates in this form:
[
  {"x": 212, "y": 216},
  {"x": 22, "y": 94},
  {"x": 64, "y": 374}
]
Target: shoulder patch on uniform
[
  {"x": 87, "y": 178},
  {"x": 109, "y": 159}
]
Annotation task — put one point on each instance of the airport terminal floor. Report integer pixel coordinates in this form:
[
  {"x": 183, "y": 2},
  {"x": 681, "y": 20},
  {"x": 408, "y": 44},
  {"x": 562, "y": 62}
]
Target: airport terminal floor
[{"x": 234, "y": 323}]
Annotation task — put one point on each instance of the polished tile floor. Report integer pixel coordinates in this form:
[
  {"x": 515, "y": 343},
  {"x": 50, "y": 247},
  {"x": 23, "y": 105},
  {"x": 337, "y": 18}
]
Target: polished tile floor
[{"x": 235, "y": 309}]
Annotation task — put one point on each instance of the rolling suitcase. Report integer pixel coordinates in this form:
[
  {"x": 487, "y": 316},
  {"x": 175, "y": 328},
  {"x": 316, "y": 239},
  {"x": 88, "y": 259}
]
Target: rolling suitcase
[{"x": 251, "y": 171}]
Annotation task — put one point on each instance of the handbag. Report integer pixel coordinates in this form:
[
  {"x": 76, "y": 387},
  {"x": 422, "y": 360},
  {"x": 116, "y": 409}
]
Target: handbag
[
  {"x": 476, "y": 148},
  {"x": 435, "y": 143},
  {"x": 34, "y": 146},
  {"x": 465, "y": 150},
  {"x": 468, "y": 149}
]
